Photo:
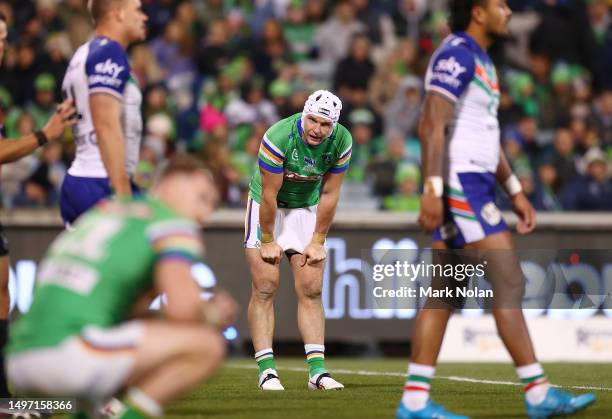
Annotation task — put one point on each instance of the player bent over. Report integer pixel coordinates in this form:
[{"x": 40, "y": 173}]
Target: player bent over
[
  {"x": 82, "y": 337},
  {"x": 463, "y": 161},
  {"x": 292, "y": 201}
]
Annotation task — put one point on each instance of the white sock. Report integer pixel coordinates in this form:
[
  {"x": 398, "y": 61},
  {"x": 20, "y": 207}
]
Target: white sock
[
  {"x": 535, "y": 382},
  {"x": 418, "y": 383},
  {"x": 144, "y": 403}
]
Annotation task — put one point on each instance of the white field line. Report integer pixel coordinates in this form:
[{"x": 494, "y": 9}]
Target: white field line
[{"x": 401, "y": 374}]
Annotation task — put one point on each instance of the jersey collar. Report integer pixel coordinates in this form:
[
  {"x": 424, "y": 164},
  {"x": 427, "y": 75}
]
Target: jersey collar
[{"x": 472, "y": 44}]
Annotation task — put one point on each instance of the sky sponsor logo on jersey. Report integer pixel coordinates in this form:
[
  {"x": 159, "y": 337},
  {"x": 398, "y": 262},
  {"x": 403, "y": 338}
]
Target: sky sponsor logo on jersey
[
  {"x": 447, "y": 71},
  {"x": 107, "y": 74},
  {"x": 110, "y": 68}
]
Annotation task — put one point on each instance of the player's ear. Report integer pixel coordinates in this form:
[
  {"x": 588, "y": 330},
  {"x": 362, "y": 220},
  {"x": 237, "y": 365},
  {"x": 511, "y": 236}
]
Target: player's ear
[
  {"x": 479, "y": 14},
  {"x": 119, "y": 10}
]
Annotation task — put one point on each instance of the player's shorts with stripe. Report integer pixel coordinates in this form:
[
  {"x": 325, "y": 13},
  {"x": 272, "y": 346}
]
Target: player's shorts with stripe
[
  {"x": 470, "y": 213},
  {"x": 293, "y": 228},
  {"x": 79, "y": 194},
  {"x": 4, "y": 250},
  {"x": 93, "y": 366}
]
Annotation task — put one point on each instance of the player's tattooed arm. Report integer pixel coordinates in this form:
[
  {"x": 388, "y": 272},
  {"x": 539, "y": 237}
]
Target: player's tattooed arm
[
  {"x": 437, "y": 113},
  {"x": 520, "y": 203},
  {"x": 271, "y": 183},
  {"x": 106, "y": 116},
  {"x": 504, "y": 171}
]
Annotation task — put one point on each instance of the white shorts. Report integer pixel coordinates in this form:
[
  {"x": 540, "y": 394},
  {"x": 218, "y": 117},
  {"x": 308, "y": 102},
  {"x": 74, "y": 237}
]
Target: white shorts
[
  {"x": 92, "y": 366},
  {"x": 293, "y": 228}
]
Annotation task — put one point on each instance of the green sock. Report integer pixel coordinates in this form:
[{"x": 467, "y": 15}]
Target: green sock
[
  {"x": 315, "y": 356},
  {"x": 132, "y": 413},
  {"x": 265, "y": 360}
]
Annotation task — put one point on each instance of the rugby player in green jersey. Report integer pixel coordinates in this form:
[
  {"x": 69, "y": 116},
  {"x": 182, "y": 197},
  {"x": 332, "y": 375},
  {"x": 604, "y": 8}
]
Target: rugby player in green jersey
[
  {"x": 292, "y": 201},
  {"x": 85, "y": 335}
]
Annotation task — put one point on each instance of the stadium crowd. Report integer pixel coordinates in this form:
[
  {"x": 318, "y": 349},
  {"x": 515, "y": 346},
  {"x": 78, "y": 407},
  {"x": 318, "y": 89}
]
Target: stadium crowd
[{"x": 216, "y": 74}]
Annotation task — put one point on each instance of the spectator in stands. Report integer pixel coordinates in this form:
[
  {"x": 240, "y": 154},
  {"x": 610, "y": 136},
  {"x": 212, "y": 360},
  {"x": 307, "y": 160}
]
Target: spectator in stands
[
  {"x": 564, "y": 32},
  {"x": 407, "y": 199},
  {"x": 335, "y": 34},
  {"x": 299, "y": 32},
  {"x": 548, "y": 186},
  {"x": 585, "y": 136},
  {"x": 399, "y": 63},
  {"x": 564, "y": 156},
  {"x": 366, "y": 145},
  {"x": 602, "y": 115},
  {"x": 593, "y": 191},
  {"x": 43, "y": 106},
  {"x": 42, "y": 187},
  {"x": 402, "y": 114},
  {"x": 251, "y": 106},
  {"x": 379, "y": 27},
  {"x": 356, "y": 70},
  {"x": 384, "y": 167},
  {"x": 601, "y": 27}
]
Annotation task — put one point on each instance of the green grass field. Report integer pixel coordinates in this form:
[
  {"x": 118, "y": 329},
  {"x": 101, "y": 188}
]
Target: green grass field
[{"x": 373, "y": 389}]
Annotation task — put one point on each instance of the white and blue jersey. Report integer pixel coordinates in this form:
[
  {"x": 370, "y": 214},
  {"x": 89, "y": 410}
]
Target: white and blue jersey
[
  {"x": 99, "y": 66},
  {"x": 464, "y": 74}
]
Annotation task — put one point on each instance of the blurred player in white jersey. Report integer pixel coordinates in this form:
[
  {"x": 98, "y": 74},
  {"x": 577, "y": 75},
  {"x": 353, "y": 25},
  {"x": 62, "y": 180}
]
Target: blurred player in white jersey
[
  {"x": 108, "y": 101},
  {"x": 463, "y": 162}
]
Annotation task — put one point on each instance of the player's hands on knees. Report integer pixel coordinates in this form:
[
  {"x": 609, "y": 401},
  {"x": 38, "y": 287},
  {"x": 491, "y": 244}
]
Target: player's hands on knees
[
  {"x": 271, "y": 252},
  {"x": 525, "y": 213},
  {"x": 220, "y": 311},
  {"x": 313, "y": 254},
  {"x": 431, "y": 213},
  {"x": 65, "y": 116}
]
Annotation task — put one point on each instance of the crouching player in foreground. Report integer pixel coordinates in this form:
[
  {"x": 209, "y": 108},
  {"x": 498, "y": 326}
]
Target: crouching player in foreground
[
  {"x": 292, "y": 201},
  {"x": 82, "y": 337},
  {"x": 459, "y": 130}
]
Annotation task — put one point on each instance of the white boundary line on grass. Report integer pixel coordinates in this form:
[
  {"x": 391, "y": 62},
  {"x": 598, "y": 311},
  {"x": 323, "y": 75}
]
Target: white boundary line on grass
[{"x": 400, "y": 374}]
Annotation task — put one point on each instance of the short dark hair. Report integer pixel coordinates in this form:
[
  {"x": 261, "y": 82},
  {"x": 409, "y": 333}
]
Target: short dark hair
[
  {"x": 183, "y": 164},
  {"x": 461, "y": 13},
  {"x": 99, "y": 8}
]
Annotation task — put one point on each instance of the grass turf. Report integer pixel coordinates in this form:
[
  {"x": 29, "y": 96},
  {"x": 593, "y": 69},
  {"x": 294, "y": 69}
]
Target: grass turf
[{"x": 234, "y": 393}]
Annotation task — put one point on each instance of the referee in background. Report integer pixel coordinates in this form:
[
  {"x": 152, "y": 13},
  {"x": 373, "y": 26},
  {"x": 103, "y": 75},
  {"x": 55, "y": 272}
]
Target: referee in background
[{"x": 11, "y": 150}]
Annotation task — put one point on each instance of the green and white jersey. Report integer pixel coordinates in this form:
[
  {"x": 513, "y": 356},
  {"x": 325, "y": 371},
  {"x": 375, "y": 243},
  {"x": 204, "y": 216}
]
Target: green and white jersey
[
  {"x": 92, "y": 276},
  {"x": 284, "y": 151}
]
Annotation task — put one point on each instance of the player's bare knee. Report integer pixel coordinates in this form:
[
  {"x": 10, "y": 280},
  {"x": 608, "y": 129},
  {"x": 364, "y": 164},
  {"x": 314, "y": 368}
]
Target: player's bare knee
[
  {"x": 265, "y": 289},
  {"x": 311, "y": 291}
]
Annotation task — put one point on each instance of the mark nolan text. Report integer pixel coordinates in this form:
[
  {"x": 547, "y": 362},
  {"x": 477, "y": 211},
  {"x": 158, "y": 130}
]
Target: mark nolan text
[{"x": 429, "y": 292}]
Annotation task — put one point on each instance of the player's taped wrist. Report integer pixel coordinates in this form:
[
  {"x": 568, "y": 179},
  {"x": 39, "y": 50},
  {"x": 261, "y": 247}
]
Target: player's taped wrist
[
  {"x": 267, "y": 238},
  {"x": 318, "y": 238},
  {"x": 512, "y": 185},
  {"x": 434, "y": 185}
]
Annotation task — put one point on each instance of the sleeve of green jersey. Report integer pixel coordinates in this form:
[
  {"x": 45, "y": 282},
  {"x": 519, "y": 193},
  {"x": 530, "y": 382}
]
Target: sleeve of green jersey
[
  {"x": 272, "y": 150},
  {"x": 345, "y": 147},
  {"x": 176, "y": 239}
]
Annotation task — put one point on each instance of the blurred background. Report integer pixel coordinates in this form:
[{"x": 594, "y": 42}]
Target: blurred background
[{"x": 217, "y": 73}]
